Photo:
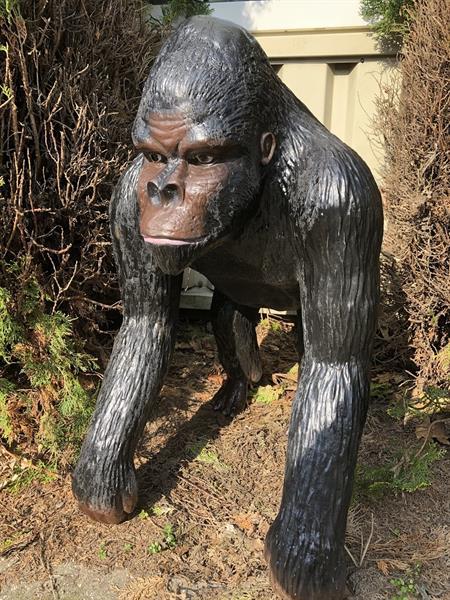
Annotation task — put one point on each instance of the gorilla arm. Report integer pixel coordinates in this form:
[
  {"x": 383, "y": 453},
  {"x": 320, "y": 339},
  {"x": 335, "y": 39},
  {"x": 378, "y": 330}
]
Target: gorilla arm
[
  {"x": 339, "y": 292},
  {"x": 104, "y": 481}
]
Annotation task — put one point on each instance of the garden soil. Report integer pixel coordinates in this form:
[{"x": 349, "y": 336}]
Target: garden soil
[{"x": 209, "y": 488}]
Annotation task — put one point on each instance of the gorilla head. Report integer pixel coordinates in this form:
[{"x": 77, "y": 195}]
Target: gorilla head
[{"x": 206, "y": 132}]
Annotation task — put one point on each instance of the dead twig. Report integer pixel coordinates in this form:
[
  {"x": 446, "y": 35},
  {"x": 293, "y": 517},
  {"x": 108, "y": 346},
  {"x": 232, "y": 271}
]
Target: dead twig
[
  {"x": 427, "y": 436},
  {"x": 47, "y": 567},
  {"x": 363, "y": 548}
]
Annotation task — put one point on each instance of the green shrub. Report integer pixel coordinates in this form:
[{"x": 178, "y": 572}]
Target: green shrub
[
  {"x": 177, "y": 9},
  {"x": 390, "y": 19},
  {"x": 44, "y": 403},
  {"x": 7, "y": 7},
  {"x": 404, "y": 472}
]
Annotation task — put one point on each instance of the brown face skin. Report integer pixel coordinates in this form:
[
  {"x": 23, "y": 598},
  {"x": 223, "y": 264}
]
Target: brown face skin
[{"x": 182, "y": 170}]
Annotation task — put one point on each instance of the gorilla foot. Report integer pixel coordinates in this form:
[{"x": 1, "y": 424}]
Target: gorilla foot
[
  {"x": 303, "y": 566},
  {"x": 107, "y": 495},
  {"x": 232, "y": 396},
  {"x": 124, "y": 505}
]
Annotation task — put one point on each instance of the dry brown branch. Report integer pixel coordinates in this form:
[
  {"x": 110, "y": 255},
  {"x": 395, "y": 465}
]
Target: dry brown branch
[
  {"x": 415, "y": 122},
  {"x": 75, "y": 77}
]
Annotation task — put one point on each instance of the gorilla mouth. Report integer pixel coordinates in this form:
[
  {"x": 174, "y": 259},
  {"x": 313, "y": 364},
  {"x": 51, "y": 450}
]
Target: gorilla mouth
[{"x": 163, "y": 241}]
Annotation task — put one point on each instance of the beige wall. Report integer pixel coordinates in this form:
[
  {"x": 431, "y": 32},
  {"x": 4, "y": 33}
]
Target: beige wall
[{"x": 337, "y": 74}]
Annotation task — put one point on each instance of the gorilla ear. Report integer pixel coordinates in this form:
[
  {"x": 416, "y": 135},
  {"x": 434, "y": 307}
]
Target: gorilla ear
[{"x": 268, "y": 145}]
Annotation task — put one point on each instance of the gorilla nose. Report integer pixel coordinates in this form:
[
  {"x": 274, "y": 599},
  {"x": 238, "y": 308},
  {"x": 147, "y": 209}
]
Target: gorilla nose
[
  {"x": 153, "y": 193},
  {"x": 169, "y": 194}
]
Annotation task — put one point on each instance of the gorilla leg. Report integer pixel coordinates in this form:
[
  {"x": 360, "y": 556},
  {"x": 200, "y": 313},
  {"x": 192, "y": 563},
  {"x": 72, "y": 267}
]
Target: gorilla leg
[
  {"x": 339, "y": 294},
  {"x": 104, "y": 481},
  {"x": 234, "y": 330}
]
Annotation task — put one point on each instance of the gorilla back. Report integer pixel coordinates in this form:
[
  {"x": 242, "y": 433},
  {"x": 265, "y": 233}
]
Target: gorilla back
[{"x": 235, "y": 177}]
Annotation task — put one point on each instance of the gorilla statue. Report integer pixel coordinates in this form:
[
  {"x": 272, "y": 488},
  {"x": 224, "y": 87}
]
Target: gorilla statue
[{"x": 236, "y": 178}]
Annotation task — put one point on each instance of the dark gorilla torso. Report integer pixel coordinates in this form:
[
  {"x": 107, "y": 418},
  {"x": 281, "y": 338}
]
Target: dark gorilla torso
[{"x": 257, "y": 269}]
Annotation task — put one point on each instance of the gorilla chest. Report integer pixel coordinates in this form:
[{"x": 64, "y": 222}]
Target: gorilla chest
[{"x": 253, "y": 278}]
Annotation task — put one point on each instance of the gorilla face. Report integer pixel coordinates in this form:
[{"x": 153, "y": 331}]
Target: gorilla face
[{"x": 197, "y": 181}]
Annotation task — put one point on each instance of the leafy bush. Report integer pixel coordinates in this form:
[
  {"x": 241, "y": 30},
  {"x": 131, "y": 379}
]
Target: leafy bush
[
  {"x": 404, "y": 472},
  {"x": 44, "y": 402},
  {"x": 390, "y": 19},
  {"x": 177, "y": 9},
  {"x": 7, "y": 7}
]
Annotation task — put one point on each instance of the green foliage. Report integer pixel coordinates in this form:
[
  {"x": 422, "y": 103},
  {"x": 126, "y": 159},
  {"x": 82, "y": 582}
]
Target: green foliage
[
  {"x": 380, "y": 391},
  {"x": 432, "y": 401},
  {"x": 6, "y": 428},
  {"x": 40, "y": 369},
  {"x": 406, "y": 588},
  {"x": 201, "y": 453},
  {"x": 207, "y": 456},
  {"x": 169, "y": 536},
  {"x": 4, "y": 89},
  {"x": 398, "y": 410},
  {"x": 9, "y": 329},
  {"x": 405, "y": 472},
  {"x": 266, "y": 394},
  {"x": 271, "y": 324},
  {"x": 5, "y": 544},
  {"x": 8, "y": 7},
  {"x": 169, "y": 541},
  {"x": 24, "y": 476},
  {"x": 154, "y": 548},
  {"x": 183, "y": 9},
  {"x": 160, "y": 510},
  {"x": 102, "y": 552},
  {"x": 157, "y": 511},
  {"x": 390, "y": 18}
]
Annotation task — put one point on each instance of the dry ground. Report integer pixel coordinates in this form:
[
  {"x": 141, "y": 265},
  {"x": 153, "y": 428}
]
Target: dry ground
[{"x": 210, "y": 486}]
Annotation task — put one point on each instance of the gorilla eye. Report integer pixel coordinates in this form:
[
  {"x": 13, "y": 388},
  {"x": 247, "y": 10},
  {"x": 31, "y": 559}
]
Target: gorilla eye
[
  {"x": 202, "y": 158},
  {"x": 155, "y": 157}
]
